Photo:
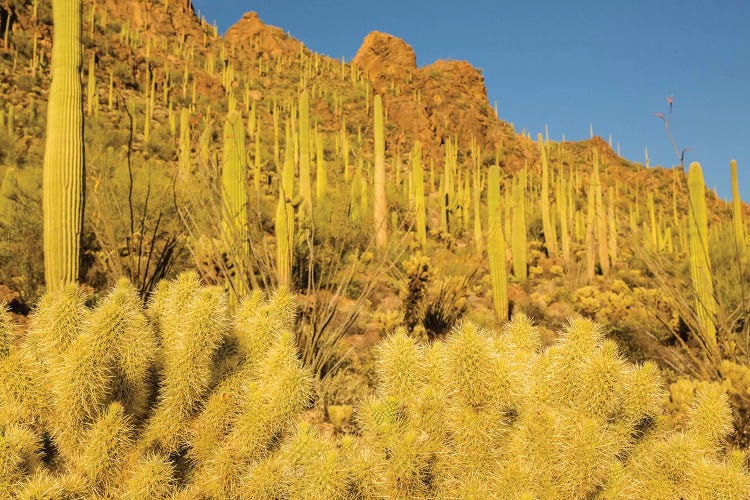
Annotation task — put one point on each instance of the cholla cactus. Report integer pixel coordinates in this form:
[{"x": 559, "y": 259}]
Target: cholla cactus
[
  {"x": 504, "y": 417},
  {"x": 477, "y": 415},
  {"x": 122, "y": 391}
]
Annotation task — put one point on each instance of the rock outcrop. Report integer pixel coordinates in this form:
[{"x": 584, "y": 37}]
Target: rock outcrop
[
  {"x": 383, "y": 55},
  {"x": 251, "y": 33}
]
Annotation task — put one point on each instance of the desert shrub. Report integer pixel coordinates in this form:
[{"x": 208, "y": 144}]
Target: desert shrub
[{"x": 430, "y": 305}]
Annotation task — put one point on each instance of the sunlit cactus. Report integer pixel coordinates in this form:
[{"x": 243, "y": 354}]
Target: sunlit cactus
[
  {"x": 285, "y": 224},
  {"x": 419, "y": 198},
  {"x": 518, "y": 230},
  {"x": 549, "y": 241},
  {"x": 496, "y": 245},
  {"x": 700, "y": 264},
  {"x": 63, "y": 182},
  {"x": 103, "y": 452},
  {"x": 739, "y": 227},
  {"x": 380, "y": 213},
  {"x": 305, "y": 179},
  {"x": 152, "y": 476},
  {"x": 234, "y": 196}
]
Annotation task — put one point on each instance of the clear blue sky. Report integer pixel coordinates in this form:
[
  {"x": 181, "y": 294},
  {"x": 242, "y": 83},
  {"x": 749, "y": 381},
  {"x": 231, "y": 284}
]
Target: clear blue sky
[{"x": 568, "y": 64}]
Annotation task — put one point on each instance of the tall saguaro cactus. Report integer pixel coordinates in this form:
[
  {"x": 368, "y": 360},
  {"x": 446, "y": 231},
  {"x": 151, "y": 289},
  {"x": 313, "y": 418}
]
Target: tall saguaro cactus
[
  {"x": 305, "y": 186},
  {"x": 549, "y": 240},
  {"x": 63, "y": 187},
  {"x": 739, "y": 228},
  {"x": 419, "y": 202},
  {"x": 234, "y": 195},
  {"x": 700, "y": 264},
  {"x": 381, "y": 203},
  {"x": 496, "y": 245}
]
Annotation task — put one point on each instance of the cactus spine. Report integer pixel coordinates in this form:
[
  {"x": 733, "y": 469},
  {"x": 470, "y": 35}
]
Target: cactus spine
[
  {"x": 63, "y": 186},
  {"x": 739, "y": 228},
  {"x": 381, "y": 203},
  {"x": 700, "y": 264},
  {"x": 496, "y": 245}
]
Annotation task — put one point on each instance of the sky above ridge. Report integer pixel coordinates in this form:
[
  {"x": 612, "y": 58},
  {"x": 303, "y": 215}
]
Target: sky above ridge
[{"x": 568, "y": 65}]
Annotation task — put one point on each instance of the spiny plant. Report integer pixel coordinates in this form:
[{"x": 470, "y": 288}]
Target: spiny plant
[
  {"x": 63, "y": 195},
  {"x": 483, "y": 415},
  {"x": 479, "y": 414},
  {"x": 175, "y": 398}
]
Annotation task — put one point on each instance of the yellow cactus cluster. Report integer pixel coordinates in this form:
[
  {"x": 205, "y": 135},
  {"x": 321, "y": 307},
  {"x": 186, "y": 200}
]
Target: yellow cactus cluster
[
  {"x": 121, "y": 401},
  {"x": 616, "y": 302},
  {"x": 181, "y": 400}
]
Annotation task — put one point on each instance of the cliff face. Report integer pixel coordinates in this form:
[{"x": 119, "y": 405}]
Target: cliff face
[
  {"x": 445, "y": 100},
  {"x": 250, "y": 33}
]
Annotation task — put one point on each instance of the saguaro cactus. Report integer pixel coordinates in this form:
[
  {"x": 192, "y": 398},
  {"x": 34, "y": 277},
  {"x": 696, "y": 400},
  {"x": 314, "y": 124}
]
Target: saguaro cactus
[
  {"x": 305, "y": 186},
  {"x": 549, "y": 240},
  {"x": 518, "y": 233},
  {"x": 285, "y": 216},
  {"x": 381, "y": 203},
  {"x": 496, "y": 245},
  {"x": 739, "y": 228},
  {"x": 700, "y": 264},
  {"x": 234, "y": 195},
  {"x": 419, "y": 205},
  {"x": 63, "y": 187}
]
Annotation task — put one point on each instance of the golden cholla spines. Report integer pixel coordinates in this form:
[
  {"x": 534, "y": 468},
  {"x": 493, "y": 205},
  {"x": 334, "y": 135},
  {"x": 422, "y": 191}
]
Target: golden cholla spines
[
  {"x": 478, "y": 414},
  {"x": 569, "y": 421},
  {"x": 118, "y": 388}
]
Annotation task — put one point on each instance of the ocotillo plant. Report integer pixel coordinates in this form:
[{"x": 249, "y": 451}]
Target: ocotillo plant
[
  {"x": 380, "y": 211},
  {"x": 700, "y": 264},
  {"x": 63, "y": 175},
  {"x": 496, "y": 245}
]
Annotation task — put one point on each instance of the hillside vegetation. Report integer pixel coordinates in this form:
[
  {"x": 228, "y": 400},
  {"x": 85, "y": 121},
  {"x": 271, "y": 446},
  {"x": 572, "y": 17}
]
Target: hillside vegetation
[{"x": 394, "y": 222}]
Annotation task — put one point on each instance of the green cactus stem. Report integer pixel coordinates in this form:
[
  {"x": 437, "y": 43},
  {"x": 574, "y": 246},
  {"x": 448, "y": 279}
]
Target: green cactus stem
[
  {"x": 549, "y": 239},
  {"x": 700, "y": 264},
  {"x": 419, "y": 202},
  {"x": 518, "y": 231},
  {"x": 380, "y": 211},
  {"x": 63, "y": 174},
  {"x": 739, "y": 228},
  {"x": 496, "y": 245},
  {"x": 305, "y": 186}
]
